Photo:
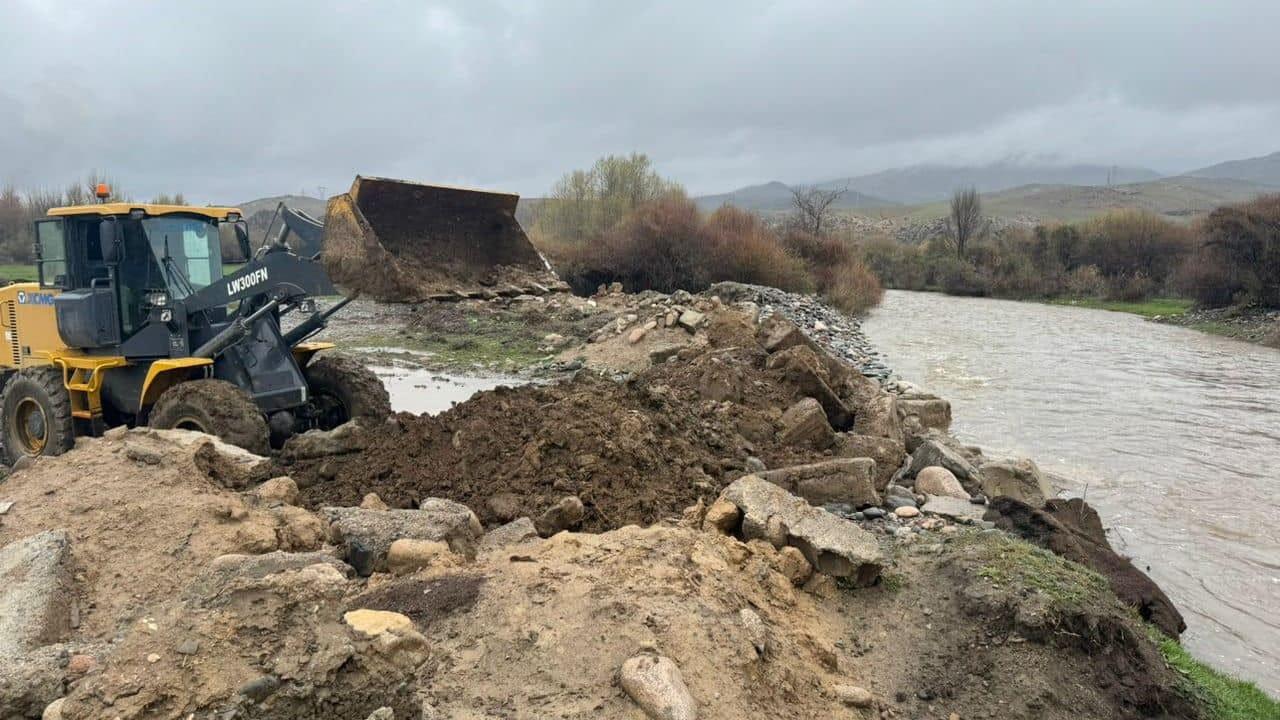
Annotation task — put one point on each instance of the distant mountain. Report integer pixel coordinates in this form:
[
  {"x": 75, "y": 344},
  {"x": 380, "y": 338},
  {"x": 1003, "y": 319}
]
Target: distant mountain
[
  {"x": 775, "y": 196},
  {"x": 309, "y": 205},
  {"x": 929, "y": 183},
  {"x": 1263, "y": 170}
]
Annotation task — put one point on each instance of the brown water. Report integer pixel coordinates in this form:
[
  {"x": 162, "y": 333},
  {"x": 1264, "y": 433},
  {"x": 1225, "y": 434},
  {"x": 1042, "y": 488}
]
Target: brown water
[{"x": 1172, "y": 434}]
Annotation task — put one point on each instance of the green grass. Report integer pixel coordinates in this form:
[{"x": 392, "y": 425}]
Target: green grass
[
  {"x": 1145, "y": 308},
  {"x": 1224, "y": 697},
  {"x": 18, "y": 272},
  {"x": 482, "y": 343},
  {"x": 1013, "y": 563}
]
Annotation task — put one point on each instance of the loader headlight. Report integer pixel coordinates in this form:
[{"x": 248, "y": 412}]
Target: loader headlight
[
  {"x": 157, "y": 299},
  {"x": 307, "y": 307}
]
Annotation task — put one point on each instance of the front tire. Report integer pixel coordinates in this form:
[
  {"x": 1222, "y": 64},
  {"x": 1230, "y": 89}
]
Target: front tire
[
  {"x": 36, "y": 412},
  {"x": 216, "y": 407},
  {"x": 343, "y": 389}
]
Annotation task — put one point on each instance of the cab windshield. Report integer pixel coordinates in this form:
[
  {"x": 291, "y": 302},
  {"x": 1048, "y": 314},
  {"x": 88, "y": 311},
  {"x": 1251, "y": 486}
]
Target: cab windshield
[{"x": 187, "y": 250}]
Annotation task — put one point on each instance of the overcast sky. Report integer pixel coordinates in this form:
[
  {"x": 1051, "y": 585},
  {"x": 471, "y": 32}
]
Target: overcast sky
[{"x": 228, "y": 101}]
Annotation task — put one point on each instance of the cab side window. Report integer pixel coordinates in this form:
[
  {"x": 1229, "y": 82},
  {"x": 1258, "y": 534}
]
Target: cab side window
[{"x": 51, "y": 250}]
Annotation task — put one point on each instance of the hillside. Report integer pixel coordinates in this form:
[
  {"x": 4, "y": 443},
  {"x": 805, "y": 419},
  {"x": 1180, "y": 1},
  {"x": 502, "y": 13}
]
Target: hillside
[
  {"x": 775, "y": 196},
  {"x": 929, "y": 183},
  {"x": 309, "y": 205},
  {"x": 1264, "y": 170}
]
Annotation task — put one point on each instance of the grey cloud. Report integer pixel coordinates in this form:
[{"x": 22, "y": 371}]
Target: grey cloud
[{"x": 231, "y": 100}]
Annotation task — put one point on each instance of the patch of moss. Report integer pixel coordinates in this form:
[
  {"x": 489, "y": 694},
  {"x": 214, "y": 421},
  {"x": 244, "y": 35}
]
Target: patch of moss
[
  {"x": 1222, "y": 696},
  {"x": 1012, "y": 563}
]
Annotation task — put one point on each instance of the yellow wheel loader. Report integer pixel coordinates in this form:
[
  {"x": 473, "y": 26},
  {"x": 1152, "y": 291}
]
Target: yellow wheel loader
[{"x": 132, "y": 322}]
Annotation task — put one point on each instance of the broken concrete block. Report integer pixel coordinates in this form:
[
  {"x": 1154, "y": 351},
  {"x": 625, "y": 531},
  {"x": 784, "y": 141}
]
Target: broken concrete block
[
  {"x": 691, "y": 320},
  {"x": 35, "y": 592},
  {"x": 846, "y": 480},
  {"x": 888, "y": 454},
  {"x": 1018, "y": 478},
  {"x": 805, "y": 423},
  {"x": 930, "y": 413},
  {"x": 366, "y": 535},
  {"x": 934, "y": 452}
]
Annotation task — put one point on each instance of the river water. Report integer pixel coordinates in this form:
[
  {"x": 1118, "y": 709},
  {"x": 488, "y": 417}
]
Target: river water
[{"x": 1172, "y": 434}]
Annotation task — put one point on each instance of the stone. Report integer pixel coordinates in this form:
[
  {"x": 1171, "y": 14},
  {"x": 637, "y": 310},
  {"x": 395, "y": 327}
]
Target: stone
[
  {"x": 371, "y": 501},
  {"x": 513, "y": 533},
  {"x": 36, "y": 592},
  {"x": 408, "y": 555},
  {"x": 757, "y": 633},
  {"x": 226, "y": 572},
  {"x": 53, "y": 711},
  {"x": 382, "y": 713},
  {"x": 934, "y": 453},
  {"x": 188, "y": 647},
  {"x": 877, "y": 415},
  {"x": 691, "y": 320},
  {"x": 298, "y": 530},
  {"x": 637, "y": 334},
  {"x": 564, "y": 515},
  {"x": 935, "y": 480},
  {"x": 663, "y": 353},
  {"x": 260, "y": 688},
  {"x": 832, "y": 545},
  {"x": 505, "y": 506},
  {"x": 895, "y": 501},
  {"x": 81, "y": 664},
  {"x": 794, "y": 566},
  {"x": 366, "y": 535},
  {"x": 854, "y": 696},
  {"x": 845, "y": 480},
  {"x": 1017, "y": 478},
  {"x": 722, "y": 516},
  {"x": 344, "y": 439},
  {"x": 23, "y": 462},
  {"x": 906, "y": 511},
  {"x": 754, "y": 464},
  {"x": 930, "y": 413},
  {"x": 887, "y": 453},
  {"x": 805, "y": 424},
  {"x": 654, "y": 683},
  {"x": 802, "y": 367},
  {"x": 372, "y": 623},
  {"x": 958, "y": 509},
  {"x": 874, "y": 513},
  {"x": 5, "y": 506},
  {"x": 778, "y": 333},
  {"x": 280, "y": 490}
]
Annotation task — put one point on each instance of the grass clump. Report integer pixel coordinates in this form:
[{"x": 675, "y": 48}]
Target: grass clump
[
  {"x": 1222, "y": 696},
  {"x": 1013, "y": 563}
]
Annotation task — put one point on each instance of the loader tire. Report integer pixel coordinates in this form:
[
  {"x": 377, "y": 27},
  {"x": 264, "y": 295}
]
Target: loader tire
[
  {"x": 344, "y": 389},
  {"x": 216, "y": 407},
  {"x": 36, "y": 411}
]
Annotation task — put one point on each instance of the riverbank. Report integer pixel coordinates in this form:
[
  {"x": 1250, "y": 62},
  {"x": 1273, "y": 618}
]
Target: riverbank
[{"x": 765, "y": 529}]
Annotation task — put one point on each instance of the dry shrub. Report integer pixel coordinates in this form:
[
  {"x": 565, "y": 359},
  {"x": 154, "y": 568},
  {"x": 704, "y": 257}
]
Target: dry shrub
[
  {"x": 1131, "y": 288},
  {"x": 1125, "y": 243},
  {"x": 1240, "y": 258},
  {"x": 743, "y": 249},
  {"x": 853, "y": 287},
  {"x": 1086, "y": 281}
]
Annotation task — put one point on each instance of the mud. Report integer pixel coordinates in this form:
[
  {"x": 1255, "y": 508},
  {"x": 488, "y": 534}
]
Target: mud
[{"x": 423, "y": 600}]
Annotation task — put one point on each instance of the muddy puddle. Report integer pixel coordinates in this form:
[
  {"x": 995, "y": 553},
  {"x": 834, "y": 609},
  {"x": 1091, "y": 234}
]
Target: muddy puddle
[{"x": 418, "y": 391}]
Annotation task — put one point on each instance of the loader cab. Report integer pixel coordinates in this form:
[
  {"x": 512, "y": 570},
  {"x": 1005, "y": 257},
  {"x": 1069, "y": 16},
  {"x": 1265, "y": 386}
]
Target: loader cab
[{"x": 118, "y": 270}]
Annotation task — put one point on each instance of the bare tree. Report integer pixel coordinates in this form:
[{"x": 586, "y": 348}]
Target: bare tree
[
  {"x": 812, "y": 206},
  {"x": 965, "y": 222}
]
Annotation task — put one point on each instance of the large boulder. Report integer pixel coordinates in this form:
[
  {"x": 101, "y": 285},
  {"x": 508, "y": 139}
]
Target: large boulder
[
  {"x": 777, "y": 333},
  {"x": 928, "y": 412},
  {"x": 877, "y": 415},
  {"x": 346, "y": 438},
  {"x": 805, "y": 424},
  {"x": 834, "y": 546},
  {"x": 935, "y": 452},
  {"x": 1017, "y": 478},
  {"x": 365, "y": 536},
  {"x": 846, "y": 480},
  {"x": 935, "y": 480},
  {"x": 888, "y": 454},
  {"x": 802, "y": 367},
  {"x": 36, "y": 592}
]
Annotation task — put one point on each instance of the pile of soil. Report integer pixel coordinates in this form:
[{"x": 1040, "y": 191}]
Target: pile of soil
[{"x": 633, "y": 452}]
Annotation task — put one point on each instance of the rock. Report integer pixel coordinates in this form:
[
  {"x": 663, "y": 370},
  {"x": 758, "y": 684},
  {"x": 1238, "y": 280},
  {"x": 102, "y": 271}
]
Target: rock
[
  {"x": 846, "y": 480},
  {"x": 372, "y": 623},
  {"x": 371, "y": 501},
  {"x": 53, "y": 711},
  {"x": 36, "y": 592},
  {"x": 935, "y": 480},
  {"x": 23, "y": 462},
  {"x": 226, "y": 572},
  {"x": 930, "y": 413},
  {"x": 819, "y": 326},
  {"x": 832, "y": 545},
  {"x": 886, "y": 452},
  {"x": 346, "y": 438},
  {"x": 691, "y": 320},
  {"x": 637, "y": 334},
  {"x": 564, "y": 515},
  {"x": 654, "y": 683},
  {"x": 5, "y": 506},
  {"x": 276, "y": 491},
  {"x": 778, "y": 333},
  {"x": 958, "y": 509},
  {"x": 722, "y": 516},
  {"x": 794, "y": 566},
  {"x": 188, "y": 647},
  {"x": 260, "y": 688},
  {"x": 906, "y": 511},
  {"x": 757, "y": 633},
  {"x": 663, "y": 353},
  {"x": 31, "y": 681},
  {"x": 854, "y": 696},
  {"x": 873, "y": 513},
  {"x": 1017, "y": 478},
  {"x": 505, "y": 506},
  {"x": 934, "y": 453},
  {"x": 754, "y": 464},
  {"x": 408, "y": 555},
  {"x": 81, "y": 664},
  {"x": 895, "y": 501},
  {"x": 298, "y": 530},
  {"x": 802, "y": 367},
  {"x": 513, "y": 533},
  {"x": 382, "y": 713},
  {"x": 805, "y": 424},
  {"x": 366, "y": 535},
  {"x": 877, "y": 416}
]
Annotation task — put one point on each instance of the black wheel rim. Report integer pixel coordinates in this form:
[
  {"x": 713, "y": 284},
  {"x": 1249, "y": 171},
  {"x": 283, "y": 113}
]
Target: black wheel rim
[{"x": 30, "y": 427}]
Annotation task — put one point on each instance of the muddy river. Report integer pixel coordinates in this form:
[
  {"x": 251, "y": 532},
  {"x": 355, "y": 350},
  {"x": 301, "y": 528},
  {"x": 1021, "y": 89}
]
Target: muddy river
[{"x": 1172, "y": 434}]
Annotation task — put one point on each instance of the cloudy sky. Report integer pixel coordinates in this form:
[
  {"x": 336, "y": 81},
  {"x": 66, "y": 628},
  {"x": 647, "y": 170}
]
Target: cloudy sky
[{"x": 227, "y": 101}]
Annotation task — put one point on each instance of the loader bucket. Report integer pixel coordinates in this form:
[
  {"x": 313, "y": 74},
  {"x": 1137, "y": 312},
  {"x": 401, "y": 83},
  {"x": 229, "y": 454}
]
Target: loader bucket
[{"x": 401, "y": 241}]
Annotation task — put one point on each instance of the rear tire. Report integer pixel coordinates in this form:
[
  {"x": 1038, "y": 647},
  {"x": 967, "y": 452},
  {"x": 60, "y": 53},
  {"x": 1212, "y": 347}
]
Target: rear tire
[
  {"x": 344, "y": 389},
  {"x": 216, "y": 407},
  {"x": 36, "y": 412}
]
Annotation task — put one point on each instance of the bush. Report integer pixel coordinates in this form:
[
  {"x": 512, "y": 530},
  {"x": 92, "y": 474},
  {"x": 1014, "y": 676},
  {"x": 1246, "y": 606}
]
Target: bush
[
  {"x": 1086, "y": 282},
  {"x": 1131, "y": 288},
  {"x": 1239, "y": 260},
  {"x": 854, "y": 288},
  {"x": 1124, "y": 243},
  {"x": 743, "y": 249}
]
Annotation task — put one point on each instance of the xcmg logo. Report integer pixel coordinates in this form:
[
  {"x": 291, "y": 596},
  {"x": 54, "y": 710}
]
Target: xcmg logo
[{"x": 26, "y": 298}]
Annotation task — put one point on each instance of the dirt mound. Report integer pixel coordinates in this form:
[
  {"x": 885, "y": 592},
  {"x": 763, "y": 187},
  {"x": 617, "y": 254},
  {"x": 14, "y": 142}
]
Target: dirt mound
[
  {"x": 144, "y": 516},
  {"x": 633, "y": 452},
  {"x": 1072, "y": 529}
]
